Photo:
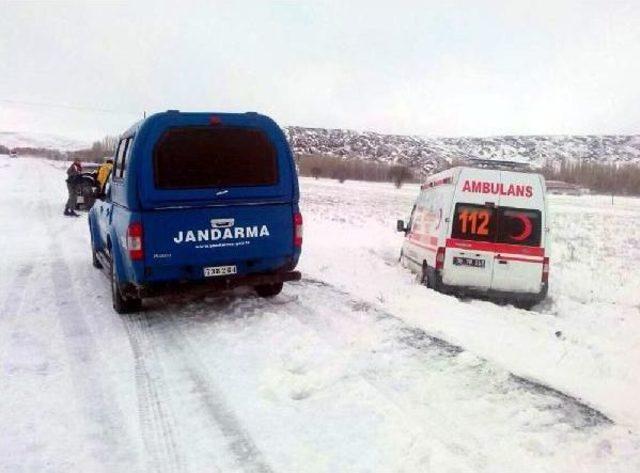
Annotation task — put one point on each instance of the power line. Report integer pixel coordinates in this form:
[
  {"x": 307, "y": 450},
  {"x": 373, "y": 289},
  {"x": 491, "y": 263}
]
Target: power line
[{"x": 67, "y": 106}]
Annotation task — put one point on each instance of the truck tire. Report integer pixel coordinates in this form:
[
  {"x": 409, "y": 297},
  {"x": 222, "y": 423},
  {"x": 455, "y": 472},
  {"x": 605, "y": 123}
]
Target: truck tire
[
  {"x": 94, "y": 259},
  {"x": 269, "y": 290},
  {"x": 121, "y": 304}
]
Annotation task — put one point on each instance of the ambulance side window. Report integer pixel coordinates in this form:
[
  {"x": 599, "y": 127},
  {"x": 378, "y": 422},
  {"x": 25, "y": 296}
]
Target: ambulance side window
[{"x": 411, "y": 218}]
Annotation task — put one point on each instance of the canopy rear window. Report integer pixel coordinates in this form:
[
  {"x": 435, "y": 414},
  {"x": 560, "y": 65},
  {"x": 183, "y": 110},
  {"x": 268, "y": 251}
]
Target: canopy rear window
[{"x": 202, "y": 157}]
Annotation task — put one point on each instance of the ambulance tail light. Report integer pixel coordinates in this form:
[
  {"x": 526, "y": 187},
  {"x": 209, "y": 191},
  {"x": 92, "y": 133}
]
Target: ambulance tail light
[
  {"x": 134, "y": 241},
  {"x": 440, "y": 258},
  {"x": 545, "y": 269},
  {"x": 297, "y": 229}
]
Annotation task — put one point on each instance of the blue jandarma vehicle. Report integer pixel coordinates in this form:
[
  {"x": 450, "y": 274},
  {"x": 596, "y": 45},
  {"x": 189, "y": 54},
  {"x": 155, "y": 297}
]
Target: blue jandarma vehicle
[{"x": 198, "y": 198}]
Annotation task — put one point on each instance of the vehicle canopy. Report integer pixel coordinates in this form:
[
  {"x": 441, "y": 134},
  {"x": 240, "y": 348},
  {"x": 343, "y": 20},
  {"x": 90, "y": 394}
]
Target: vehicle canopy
[{"x": 175, "y": 159}]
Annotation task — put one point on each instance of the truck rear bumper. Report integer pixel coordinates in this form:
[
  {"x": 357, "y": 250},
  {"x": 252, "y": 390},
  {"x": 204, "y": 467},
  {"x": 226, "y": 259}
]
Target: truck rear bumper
[{"x": 211, "y": 284}]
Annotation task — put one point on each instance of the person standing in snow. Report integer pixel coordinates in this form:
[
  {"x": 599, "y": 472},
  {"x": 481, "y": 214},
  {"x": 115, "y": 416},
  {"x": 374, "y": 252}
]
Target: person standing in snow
[
  {"x": 104, "y": 171},
  {"x": 73, "y": 176}
]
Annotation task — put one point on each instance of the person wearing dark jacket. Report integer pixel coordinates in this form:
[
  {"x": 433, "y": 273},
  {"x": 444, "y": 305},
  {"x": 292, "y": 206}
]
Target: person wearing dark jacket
[{"x": 73, "y": 177}]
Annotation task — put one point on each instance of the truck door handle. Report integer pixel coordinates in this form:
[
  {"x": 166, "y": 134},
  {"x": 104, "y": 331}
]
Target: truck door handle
[{"x": 502, "y": 261}]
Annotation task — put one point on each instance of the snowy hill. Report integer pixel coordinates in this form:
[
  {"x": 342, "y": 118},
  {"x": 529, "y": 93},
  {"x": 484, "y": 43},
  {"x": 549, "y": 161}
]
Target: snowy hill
[
  {"x": 420, "y": 153},
  {"x": 426, "y": 153},
  {"x": 12, "y": 139}
]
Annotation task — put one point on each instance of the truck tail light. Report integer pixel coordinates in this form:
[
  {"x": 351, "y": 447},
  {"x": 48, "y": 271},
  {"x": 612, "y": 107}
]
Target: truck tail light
[
  {"x": 440, "y": 258},
  {"x": 134, "y": 241},
  {"x": 297, "y": 229},
  {"x": 545, "y": 269}
]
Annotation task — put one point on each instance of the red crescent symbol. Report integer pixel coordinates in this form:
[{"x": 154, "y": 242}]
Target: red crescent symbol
[{"x": 526, "y": 231}]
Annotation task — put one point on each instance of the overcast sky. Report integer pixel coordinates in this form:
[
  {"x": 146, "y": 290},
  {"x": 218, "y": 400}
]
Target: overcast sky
[{"x": 444, "y": 68}]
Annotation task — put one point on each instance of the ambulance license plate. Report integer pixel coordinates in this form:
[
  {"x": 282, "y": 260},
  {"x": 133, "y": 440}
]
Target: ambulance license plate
[
  {"x": 213, "y": 271},
  {"x": 472, "y": 262}
]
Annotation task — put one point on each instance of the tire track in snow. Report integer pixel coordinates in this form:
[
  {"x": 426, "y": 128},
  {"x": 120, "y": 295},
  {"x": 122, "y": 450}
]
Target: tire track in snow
[
  {"x": 109, "y": 448},
  {"x": 246, "y": 454},
  {"x": 456, "y": 438},
  {"x": 458, "y": 444},
  {"x": 85, "y": 369},
  {"x": 156, "y": 419},
  {"x": 16, "y": 291},
  {"x": 583, "y": 414}
]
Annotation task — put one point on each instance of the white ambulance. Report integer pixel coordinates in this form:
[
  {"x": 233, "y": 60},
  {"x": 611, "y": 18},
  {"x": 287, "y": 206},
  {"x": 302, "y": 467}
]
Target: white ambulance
[{"x": 480, "y": 232}]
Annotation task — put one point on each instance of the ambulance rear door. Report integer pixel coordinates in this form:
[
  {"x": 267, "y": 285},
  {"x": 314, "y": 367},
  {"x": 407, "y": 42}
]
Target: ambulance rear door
[{"x": 519, "y": 236}]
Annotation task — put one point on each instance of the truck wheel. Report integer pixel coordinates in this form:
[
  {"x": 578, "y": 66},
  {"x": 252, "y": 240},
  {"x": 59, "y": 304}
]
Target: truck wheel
[
  {"x": 269, "y": 290},
  {"x": 120, "y": 304},
  {"x": 94, "y": 260}
]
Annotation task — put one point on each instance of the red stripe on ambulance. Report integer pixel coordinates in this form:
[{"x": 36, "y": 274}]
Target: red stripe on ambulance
[{"x": 495, "y": 247}]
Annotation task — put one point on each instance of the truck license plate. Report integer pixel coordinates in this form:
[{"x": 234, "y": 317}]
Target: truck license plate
[
  {"x": 472, "y": 262},
  {"x": 212, "y": 271}
]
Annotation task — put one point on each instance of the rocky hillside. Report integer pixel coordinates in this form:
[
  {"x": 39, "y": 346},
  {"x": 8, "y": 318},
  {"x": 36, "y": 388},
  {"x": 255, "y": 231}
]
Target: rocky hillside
[
  {"x": 422, "y": 154},
  {"x": 425, "y": 154}
]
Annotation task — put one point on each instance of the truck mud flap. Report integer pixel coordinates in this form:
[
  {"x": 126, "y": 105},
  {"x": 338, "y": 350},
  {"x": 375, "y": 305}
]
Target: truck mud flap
[{"x": 218, "y": 283}]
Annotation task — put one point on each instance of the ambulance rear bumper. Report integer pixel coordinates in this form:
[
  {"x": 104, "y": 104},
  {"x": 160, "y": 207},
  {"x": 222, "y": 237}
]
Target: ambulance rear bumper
[{"x": 524, "y": 297}]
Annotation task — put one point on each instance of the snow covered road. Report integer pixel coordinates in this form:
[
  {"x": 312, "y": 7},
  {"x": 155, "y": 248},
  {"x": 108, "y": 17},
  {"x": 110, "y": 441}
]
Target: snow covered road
[{"x": 354, "y": 368}]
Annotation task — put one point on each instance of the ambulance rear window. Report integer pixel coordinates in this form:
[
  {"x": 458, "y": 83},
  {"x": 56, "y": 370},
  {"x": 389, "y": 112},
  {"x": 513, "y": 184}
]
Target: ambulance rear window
[
  {"x": 474, "y": 222},
  {"x": 202, "y": 157},
  {"x": 519, "y": 226}
]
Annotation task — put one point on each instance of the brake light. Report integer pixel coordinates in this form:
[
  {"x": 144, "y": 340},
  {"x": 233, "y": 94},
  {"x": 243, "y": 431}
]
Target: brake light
[
  {"x": 214, "y": 120},
  {"x": 134, "y": 241},
  {"x": 297, "y": 229},
  {"x": 440, "y": 258},
  {"x": 545, "y": 269}
]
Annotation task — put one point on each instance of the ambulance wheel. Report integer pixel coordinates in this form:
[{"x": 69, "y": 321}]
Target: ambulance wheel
[
  {"x": 424, "y": 275},
  {"x": 526, "y": 305},
  {"x": 269, "y": 290},
  {"x": 121, "y": 304},
  {"x": 429, "y": 277}
]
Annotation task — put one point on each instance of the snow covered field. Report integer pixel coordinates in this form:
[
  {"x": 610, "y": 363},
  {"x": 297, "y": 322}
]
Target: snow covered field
[{"x": 355, "y": 368}]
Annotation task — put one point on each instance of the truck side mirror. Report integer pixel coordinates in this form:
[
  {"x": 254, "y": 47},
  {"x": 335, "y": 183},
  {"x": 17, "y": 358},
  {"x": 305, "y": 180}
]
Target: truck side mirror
[{"x": 401, "y": 226}]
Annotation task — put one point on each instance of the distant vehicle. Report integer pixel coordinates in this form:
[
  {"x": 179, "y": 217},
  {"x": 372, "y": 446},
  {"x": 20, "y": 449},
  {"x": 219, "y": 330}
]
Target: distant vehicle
[
  {"x": 87, "y": 190},
  {"x": 13, "y": 154},
  {"x": 198, "y": 198},
  {"x": 565, "y": 188},
  {"x": 480, "y": 232}
]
